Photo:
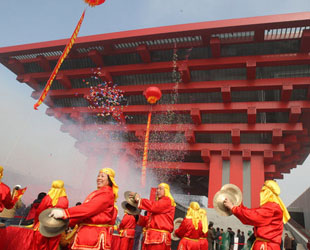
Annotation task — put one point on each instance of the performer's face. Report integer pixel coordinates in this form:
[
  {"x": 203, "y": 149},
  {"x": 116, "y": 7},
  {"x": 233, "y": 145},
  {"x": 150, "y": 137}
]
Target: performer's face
[
  {"x": 102, "y": 180},
  {"x": 160, "y": 192}
]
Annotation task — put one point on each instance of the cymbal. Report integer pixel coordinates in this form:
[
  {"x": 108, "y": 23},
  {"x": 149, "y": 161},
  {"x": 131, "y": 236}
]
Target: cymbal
[
  {"x": 129, "y": 209},
  {"x": 176, "y": 224},
  {"x": 49, "y": 226},
  {"x": 232, "y": 193},
  {"x": 131, "y": 201},
  {"x": 235, "y": 190}
]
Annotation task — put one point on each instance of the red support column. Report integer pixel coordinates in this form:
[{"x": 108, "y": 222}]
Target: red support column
[
  {"x": 257, "y": 178},
  {"x": 215, "y": 177},
  {"x": 236, "y": 170}
]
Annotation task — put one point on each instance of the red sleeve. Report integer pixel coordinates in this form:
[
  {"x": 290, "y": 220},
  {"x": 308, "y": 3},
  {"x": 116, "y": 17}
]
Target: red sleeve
[
  {"x": 143, "y": 220},
  {"x": 124, "y": 222},
  {"x": 180, "y": 232},
  {"x": 43, "y": 205},
  {"x": 161, "y": 206},
  {"x": 99, "y": 202},
  {"x": 261, "y": 216}
]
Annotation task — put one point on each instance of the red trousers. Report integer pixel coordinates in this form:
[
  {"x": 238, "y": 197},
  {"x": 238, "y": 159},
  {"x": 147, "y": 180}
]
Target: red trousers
[
  {"x": 126, "y": 243},
  {"x": 43, "y": 243}
]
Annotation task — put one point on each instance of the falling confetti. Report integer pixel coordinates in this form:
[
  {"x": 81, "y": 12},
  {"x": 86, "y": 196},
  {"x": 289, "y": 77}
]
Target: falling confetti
[{"x": 106, "y": 97}]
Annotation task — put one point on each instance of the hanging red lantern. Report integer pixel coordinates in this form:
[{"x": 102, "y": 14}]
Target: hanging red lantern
[
  {"x": 94, "y": 3},
  {"x": 152, "y": 94}
]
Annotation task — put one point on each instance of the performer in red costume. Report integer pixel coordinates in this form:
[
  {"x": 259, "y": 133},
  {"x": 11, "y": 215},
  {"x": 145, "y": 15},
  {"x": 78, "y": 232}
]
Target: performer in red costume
[
  {"x": 267, "y": 220},
  {"x": 204, "y": 221},
  {"x": 56, "y": 197},
  {"x": 190, "y": 229},
  {"x": 159, "y": 219},
  {"x": 96, "y": 215},
  {"x": 5, "y": 194},
  {"x": 127, "y": 231}
]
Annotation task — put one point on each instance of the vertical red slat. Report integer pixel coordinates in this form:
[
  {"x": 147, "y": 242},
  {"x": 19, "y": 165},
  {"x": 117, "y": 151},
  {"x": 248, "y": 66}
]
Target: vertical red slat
[
  {"x": 257, "y": 178},
  {"x": 215, "y": 177},
  {"x": 236, "y": 170}
]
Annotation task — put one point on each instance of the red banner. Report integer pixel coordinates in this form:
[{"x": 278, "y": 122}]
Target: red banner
[
  {"x": 18, "y": 194},
  {"x": 145, "y": 150},
  {"x": 60, "y": 61}
]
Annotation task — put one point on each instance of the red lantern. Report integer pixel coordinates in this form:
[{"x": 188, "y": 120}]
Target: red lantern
[
  {"x": 94, "y": 3},
  {"x": 152, "y": 94}
]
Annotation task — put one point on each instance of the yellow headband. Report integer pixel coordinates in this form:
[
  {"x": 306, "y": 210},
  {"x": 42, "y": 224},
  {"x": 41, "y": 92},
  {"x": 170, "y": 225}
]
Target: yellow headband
[
  {"x": 167, "y": 193},
  {"x": 57, "y": 191},
  {"x": 270, "y": 193},
  {"x": 110, "y": 172},
  {"x": 1, "y": 173},
  {"x": 204, "y": 220},
  {"x": 193, "y": 213}
]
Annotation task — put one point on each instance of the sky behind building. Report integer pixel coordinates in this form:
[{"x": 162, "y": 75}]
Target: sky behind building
[{"x": 31, "y": 142}]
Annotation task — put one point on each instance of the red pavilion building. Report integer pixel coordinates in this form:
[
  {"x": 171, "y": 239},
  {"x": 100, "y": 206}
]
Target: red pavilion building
[{"x": 235, "y": 105}]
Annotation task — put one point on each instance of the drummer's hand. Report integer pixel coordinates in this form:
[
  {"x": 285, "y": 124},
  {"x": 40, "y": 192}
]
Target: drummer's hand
[
  {"x": 137, "y": 197},
  {"x": 57, "y": 213},
  {"x": 134, "y": 196},
  {"x": 228, "y": 204}
]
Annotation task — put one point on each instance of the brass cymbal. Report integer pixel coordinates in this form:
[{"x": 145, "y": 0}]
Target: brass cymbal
[
  {"x": 129, "y": 209},
  {"x": 176, "y": 224},
  {"x": 231, "y": 192},
  {"x": 49, "y": 226},
  {"x": 131, "y": 201},
  {"x": 235, "y": 191}
]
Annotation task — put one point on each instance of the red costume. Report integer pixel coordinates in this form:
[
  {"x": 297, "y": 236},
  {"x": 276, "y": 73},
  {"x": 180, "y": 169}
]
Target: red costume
[
  {"x": 158, "y": 223},
  {"x": 267, "y": 221},
  {"x": 40, "y": 242},
  {"x": 96, "y": 219},
  {"x": 203, "y": 241},
  {"x": 5, "y": 197},
  {"x": 190, "y": 236},
  {"x": 127, "y": 231}
]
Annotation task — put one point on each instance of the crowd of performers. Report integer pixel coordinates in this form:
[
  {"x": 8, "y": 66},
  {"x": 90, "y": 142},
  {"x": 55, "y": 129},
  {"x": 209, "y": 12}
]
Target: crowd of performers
[{"x": 93, "y": 220}]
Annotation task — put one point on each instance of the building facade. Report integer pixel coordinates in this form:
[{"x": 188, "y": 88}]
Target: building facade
[{"x": 235, "y": 105}]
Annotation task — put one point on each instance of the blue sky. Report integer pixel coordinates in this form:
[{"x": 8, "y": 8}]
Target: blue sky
[{"x": 31, "y": 141}]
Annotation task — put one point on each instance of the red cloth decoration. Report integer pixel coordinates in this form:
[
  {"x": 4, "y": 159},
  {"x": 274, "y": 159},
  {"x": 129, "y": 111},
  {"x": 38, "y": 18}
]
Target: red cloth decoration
[
  {"x": 152, "y": 94},
  {"x": 59, "y": 62},
  {"x": 12, "y": 238},
  {"x": 94, "y": 3}
]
